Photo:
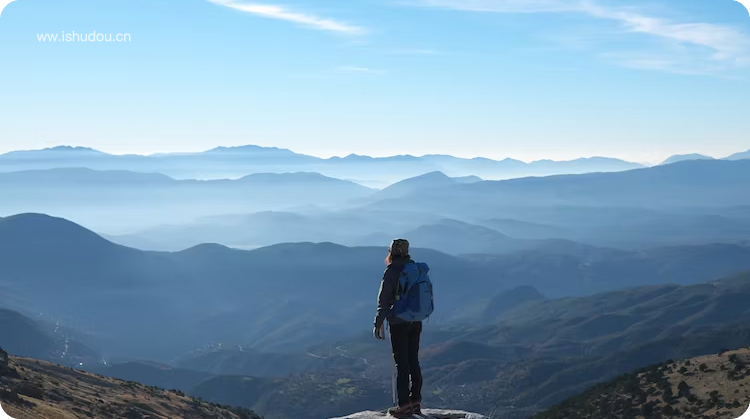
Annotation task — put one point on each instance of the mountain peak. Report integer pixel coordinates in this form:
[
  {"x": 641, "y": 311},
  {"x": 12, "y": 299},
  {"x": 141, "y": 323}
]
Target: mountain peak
[
  {"x": 71, "y": 148},
  {"x": 208, "y": 249},
  {"x": 250, "y": 149},
  {"x": 685, "y": 157},
  {"x": 425, "y": 181},
  {"x": 61, "y": 151},
  {"x": 38, "y": 230},
  {"x": 432, "y": 175},
  {"x": 740, "y": 156}
]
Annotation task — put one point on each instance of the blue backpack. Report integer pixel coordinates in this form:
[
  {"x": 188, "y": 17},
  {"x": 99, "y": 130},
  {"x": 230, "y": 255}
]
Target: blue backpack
[{"x": 414, "y": 301}]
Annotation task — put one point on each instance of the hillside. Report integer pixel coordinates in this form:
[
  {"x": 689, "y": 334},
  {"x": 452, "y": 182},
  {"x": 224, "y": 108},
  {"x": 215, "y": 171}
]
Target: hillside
[
  {"x": 31, "y": 389},
  {"x": 25, "y": 337},
  {"x": 21, "y": 335},
  {"x": 713, "y": 386}
]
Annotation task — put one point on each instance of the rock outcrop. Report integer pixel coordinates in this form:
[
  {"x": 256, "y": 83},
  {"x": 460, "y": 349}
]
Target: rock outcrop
[{"x": 426, "y": 414}]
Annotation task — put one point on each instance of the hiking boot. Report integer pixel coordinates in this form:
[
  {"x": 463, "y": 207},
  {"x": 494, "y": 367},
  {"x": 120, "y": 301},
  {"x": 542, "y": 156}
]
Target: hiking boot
[
  {"x": 416, "y": 407},
  {"x": 401, "y": 412}
]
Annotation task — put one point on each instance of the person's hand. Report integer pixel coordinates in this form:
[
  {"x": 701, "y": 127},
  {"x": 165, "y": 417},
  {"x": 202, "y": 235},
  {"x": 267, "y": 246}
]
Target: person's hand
[{"x": 379, "y": 332}]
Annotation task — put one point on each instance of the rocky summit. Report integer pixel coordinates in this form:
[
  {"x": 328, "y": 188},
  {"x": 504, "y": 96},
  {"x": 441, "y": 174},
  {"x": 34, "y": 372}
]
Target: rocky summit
[{"x": 426, "y": 414}]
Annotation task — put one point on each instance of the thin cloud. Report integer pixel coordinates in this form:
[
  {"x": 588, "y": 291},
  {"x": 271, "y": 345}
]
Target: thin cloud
[
  {"x": 729, "y": 47},
  {"x": 728, "y": 43},
  {"x": 282, "y": 13}
]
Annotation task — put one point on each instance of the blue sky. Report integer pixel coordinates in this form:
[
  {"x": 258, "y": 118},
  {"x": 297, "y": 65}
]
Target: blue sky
[{"x": 527, "y": 79}]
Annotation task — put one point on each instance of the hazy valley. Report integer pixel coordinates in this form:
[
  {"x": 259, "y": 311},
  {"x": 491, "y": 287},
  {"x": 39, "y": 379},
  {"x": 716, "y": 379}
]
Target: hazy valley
[{"x": 250, "y": 291}]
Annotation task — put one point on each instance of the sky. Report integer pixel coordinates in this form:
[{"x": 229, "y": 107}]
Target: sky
[{"x": 528, "y": 79}]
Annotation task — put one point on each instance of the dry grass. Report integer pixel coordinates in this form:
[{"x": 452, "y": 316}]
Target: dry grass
[
  {"x": 706, "y": 387},
  {"x": 49, "y": 391},
  {"x": 711, "y": 373}
]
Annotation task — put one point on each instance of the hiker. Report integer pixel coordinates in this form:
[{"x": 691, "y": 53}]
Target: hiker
[{"x": 405, "y": 300}]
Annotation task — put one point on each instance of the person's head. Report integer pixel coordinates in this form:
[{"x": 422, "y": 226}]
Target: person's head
[{"x": 399, "y": 249}]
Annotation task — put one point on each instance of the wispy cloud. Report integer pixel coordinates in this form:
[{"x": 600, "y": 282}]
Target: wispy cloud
[
  {"x": 282, "y": 13},
  {"x": 726, "y": 46}
]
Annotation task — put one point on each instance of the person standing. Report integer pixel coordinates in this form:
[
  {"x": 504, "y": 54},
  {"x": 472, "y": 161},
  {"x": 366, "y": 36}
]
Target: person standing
[{"x": 404, "y": 300}]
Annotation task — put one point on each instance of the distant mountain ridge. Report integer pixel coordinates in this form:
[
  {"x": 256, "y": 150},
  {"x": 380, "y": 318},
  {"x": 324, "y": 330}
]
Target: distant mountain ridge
[
  {"x": 238, "y": 161},
  {"x": 686, "y": 157},
  {"x": 696, "y": 183},
  {"x": 55, "y": 152},
  {"x": 456, "y": 237},
  {"x": 119, "y": 199},
  {"x": 79, "y": 176},
  {"x": 688, "y": 202},
  {"x": 422, "y": 182},
  {"x": 740, "y": 156},
  {"x": 233, "y": 162}
]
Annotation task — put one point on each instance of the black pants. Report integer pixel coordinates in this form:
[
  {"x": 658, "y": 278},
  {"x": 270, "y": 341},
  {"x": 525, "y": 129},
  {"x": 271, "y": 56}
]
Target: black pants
[{"x": 405, "y": 342}]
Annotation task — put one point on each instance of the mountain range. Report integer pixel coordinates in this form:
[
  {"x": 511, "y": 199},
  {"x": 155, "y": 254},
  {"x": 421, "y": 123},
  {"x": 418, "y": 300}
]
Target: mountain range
[
  {"x": 233, "y": 162},
  {"x": 685, "y": 203},
  {"x": 690, "y": 202},
  {"x": 123, "y": 199},
  {"x": 703, "y": 185}
]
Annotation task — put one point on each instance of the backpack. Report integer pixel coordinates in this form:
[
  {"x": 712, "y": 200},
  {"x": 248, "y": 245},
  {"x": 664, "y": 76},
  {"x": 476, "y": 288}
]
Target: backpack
[{"x": 414, "y": 300}]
